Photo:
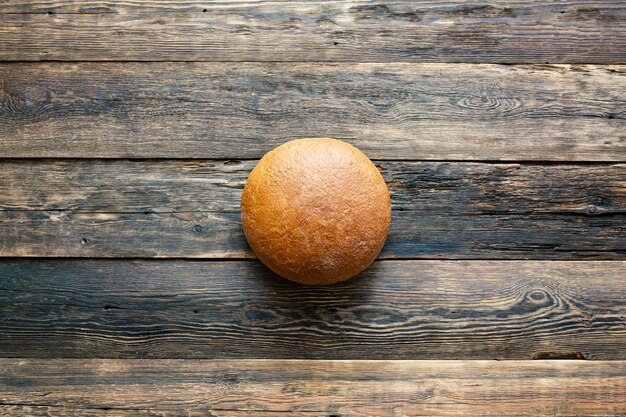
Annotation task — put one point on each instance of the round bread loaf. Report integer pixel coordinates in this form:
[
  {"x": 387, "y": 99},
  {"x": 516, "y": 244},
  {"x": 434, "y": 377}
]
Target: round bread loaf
[{"x": 316, "y": 211}]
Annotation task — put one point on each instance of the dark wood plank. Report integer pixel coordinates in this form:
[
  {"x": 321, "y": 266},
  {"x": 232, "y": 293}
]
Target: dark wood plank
[
  {"x": 394, "y": 310},
  {"x": 326, "y": 388},
  {"x": 391, "y": 111},
  {"x": 164, "y": 186},
  {"x": 520, "y": 31},
  {"x": 120, "y": 208}
]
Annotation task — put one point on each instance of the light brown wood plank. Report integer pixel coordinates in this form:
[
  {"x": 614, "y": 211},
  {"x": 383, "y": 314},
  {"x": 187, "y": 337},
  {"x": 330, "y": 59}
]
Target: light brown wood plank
[
  {"x": 36, "y": 411},
  {"x": 239, "y": 309},
  {"x": 120, "y": 208},
  {"x": 517, "y": 31},
  {"x": 390, "y": 111},
  {"x": 340, "y": 388}
]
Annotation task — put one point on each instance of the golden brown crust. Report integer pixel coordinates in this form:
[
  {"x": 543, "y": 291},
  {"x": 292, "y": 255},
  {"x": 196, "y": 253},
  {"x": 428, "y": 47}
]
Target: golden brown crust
[{"x": 316, "y": 211}]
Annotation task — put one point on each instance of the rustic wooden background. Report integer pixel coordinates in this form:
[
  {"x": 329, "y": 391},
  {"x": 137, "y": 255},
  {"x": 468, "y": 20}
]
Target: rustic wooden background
[{"x": 128, "y": 129}]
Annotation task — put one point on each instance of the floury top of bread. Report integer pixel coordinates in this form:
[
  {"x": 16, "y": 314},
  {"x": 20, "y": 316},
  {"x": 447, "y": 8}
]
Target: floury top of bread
[{"x": 316, "y": 211}]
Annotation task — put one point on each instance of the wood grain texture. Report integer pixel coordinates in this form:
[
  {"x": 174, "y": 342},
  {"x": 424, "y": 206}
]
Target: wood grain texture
[
  {"x": 394, "y": 310},
  {"x": 517, "y": 31},
  {"x": 325, "y": 388},
  {"x": 120, "y": 208},
  {"x": 391, "y": 111}
]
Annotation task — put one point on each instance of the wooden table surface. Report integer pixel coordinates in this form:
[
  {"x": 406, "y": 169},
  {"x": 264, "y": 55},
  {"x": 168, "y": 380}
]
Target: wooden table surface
[{"x": 128, "y": 129}]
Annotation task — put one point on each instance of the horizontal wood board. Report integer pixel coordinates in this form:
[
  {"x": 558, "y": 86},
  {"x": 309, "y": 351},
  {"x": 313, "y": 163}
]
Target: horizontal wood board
[
  {"x": 394, "y": 310},
  {"x": 313, "y": 388},
  {"x": 519, "y": 31},
  {"x": 389, "y": 111},
  {"x": 121, "y": 208}
]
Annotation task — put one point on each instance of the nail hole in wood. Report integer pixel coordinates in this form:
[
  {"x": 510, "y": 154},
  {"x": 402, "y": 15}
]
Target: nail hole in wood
[
  {"x": 559, "y": 355},
  {"x": 204, "y": 10}
]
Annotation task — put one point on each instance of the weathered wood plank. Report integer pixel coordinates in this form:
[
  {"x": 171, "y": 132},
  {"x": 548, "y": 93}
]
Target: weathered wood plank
[
  {"x": 391, "y": 111},
  {"x": 520, "y": 31},
  {"x": 327, "y": 388},
  {"x": 119, "y": 208},
  {"x": 47, "y": 411},
  {"x": 395, "y": 310},
  {"x": 163, "y": 186},
  {"x": 413, "y": 235}
]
